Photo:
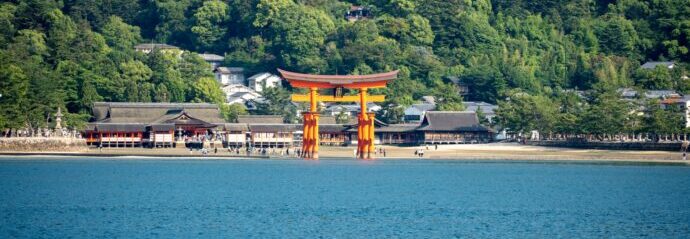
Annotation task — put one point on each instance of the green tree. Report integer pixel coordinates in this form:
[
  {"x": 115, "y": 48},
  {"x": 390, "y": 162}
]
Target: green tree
[
  {"x": 231, "y": 111},
  {"x": 120, "y": 35},
  {"x": 210, "y": 20},
  {"x": 208, "y": 90},
  {"x": 14, "y": 86},
  {"x": 276, "y": 101}
]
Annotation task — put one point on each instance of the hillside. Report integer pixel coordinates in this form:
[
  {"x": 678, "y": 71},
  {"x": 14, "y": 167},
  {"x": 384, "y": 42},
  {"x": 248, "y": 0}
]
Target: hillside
[{"x": 522, "y": 54}]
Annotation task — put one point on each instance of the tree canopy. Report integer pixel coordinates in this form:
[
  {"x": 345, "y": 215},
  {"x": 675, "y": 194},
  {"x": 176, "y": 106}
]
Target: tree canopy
[{"x": 515, "y": 53}]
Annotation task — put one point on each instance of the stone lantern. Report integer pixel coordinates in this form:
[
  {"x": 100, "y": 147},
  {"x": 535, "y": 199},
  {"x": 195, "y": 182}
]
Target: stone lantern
[{"x": 58, "y": 122}]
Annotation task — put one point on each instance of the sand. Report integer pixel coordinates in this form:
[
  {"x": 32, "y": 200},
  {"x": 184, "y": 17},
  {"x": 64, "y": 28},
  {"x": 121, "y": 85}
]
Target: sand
[{"x": 494, "y": 151}]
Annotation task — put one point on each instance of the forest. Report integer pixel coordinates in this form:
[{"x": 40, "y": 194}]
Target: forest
[{"x": 532, "y": 58}]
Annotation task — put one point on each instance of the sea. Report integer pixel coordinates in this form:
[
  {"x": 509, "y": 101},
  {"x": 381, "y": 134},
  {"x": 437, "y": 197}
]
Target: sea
[{"x": 331, "y": 198}]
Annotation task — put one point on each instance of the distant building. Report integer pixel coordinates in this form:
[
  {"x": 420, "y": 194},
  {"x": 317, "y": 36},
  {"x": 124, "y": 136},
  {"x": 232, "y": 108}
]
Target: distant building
[
  {"x": 650, "y": 65},
  {"x": 149, "y": 47},
  {"x": 201, "y": 124},
  {"x": 429, "y": 99},
  {"x": 230, "y": 75},
  {"x": 349, "y": 109},
  {"x": 449, "y": 127},
  {"x": 270, "y": 131},
  {"x": 240, "y": 94},
  {"x": 683, "y": 103},
  {"x": 212, "y": 59},
  {"x": 151, "y": 124},
  {"x": 629, "y": 93},
  {"x": 487, "y": 109},
  {"x": 416, "y": 112},
  {"x": 258, "y": 81},
  {"x": 260, "y": 119},
  {"x": 357, "y": 13}
]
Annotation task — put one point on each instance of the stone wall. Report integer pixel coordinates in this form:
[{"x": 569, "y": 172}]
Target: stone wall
[
  {"x": 39, "y": 144},
  {"x": 652, "y": 146}
]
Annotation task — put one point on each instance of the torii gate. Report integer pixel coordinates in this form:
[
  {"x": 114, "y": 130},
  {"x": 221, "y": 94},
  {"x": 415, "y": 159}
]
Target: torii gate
[{"x": 365, "y": 130}]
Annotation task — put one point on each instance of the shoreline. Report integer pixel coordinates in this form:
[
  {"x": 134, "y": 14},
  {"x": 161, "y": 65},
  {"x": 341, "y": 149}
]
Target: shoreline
[{"x": 485, "y": 152}]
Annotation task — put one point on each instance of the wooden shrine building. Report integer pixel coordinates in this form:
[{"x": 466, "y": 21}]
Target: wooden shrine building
[{"x": 153, "y": 124}]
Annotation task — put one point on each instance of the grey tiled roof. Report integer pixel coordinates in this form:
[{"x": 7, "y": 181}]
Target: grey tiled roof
[
  {"x": 654, "y": 64},
  {"x": 151, "y": 46},
  {"x": 148, "y": 113},
  {"x": 451, "y": 121},
  {"x": 211, "y": 57},
  {"x": 260, "y": 119}
]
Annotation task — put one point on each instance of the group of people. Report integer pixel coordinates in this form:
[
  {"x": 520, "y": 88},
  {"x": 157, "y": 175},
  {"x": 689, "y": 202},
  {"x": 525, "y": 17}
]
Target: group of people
[{"x": 419, "y": 153}]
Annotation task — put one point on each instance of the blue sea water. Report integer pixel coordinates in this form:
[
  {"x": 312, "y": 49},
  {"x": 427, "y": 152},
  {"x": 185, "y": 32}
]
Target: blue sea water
[{"x": 104, "y": 198}]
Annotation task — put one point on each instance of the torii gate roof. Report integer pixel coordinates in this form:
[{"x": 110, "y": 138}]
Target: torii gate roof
[{"x": 332, "y": 81}]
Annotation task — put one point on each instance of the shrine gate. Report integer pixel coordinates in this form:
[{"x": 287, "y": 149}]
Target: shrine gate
[{"x": 365, "y": 130}]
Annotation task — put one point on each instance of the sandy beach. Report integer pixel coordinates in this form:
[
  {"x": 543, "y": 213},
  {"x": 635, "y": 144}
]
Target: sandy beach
[{"x": 496, "y": 151}]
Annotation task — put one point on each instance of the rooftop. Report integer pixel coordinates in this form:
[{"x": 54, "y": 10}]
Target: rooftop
[
  {"x": 228, "y": 70},
  {"x": 151, "y": 46},
  {"x": 211, "y": 57},
  {"x": 485, "y": 107},
  {"x": 451, "y": 121},
  {"x": 260, "y": 119},
  {"x": 148, "y": 113},
  {"x": 654, "y": 64}
]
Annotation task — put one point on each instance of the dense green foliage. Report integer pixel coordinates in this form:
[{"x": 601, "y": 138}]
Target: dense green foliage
[{"x": 519, "y": 54}]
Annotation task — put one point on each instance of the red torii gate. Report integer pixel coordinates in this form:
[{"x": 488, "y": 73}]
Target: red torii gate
[{"x": 365, "y": 130}]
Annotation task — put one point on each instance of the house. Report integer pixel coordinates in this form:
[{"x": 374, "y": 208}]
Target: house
[
  {"x": 357, "y": 13},
  {"x": 152, "y": 124},
  {"x": 240, "y": 94},
  {"x": 452, "y": 127},
  {"x": 415, "y": 112},
  {"x": 397, "y": 133},
  {"x": 630, "y": 94},
  {"x": 333, "y": 134},
  {"x": 661, "y": 94},
  {"x": 269, "y": 131},
  {"x": 683, "y": 103},
  {"x": 487, "y": 109},
  {"x": 212, "y": 59},
  {"x": 261, "y": 80},
  {"x": 149, "y": 47},
  {"x": 229, "y": 75},
  {"x": 242, "y": 98},
  {"x": 350, "y": 109},
  {"x": 650, "y": 65}
]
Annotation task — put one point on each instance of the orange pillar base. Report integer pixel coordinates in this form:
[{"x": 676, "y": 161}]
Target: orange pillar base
[
  {"x": 372, "y": 136},
  {"x": 310, "y": 137}
]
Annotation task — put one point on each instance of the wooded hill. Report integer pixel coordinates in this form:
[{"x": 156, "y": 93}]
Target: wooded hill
[{"x": 517, "y": 53}]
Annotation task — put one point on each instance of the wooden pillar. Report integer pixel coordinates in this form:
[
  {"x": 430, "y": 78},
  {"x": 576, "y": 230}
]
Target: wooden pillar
[
  {"x": 363, "y": 129},
  {"x": 306, "y": 134},
  {"x": 372, "y": 137},
  {"x": 315, "y": 136},
  {"x": 359, "y": 135}
]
